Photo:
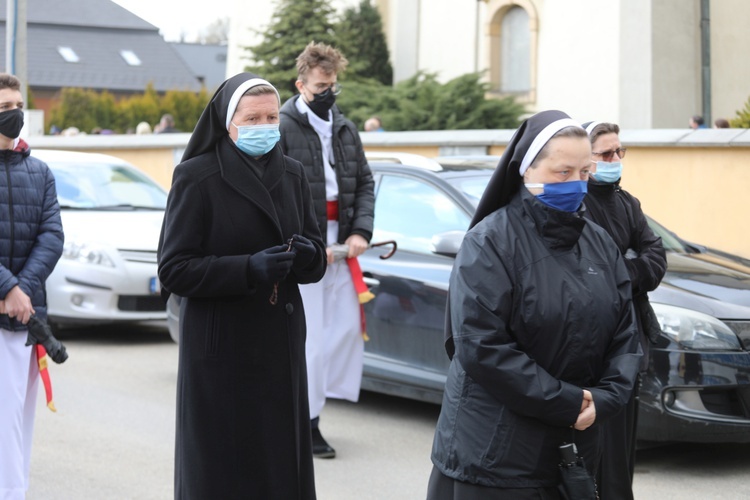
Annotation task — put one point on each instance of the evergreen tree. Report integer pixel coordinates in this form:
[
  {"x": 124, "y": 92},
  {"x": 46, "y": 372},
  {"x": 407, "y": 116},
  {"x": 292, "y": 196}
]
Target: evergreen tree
[
  {"x": 294, "y": 24},
  {"x": 362, "y": 41},
  {"x": 742, "y": 120},
  {"x": 422, "y": 103}
]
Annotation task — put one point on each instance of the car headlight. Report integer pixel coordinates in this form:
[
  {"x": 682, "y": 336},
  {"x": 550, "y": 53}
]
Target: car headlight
[
  {"x": 694, "y": 330},
  {"x": 86, "y": 254}
]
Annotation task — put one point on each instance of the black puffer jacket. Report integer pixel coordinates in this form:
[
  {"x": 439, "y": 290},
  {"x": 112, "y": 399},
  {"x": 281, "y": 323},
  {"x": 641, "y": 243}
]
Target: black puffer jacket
[
  {"x": 356, "y": 196},
  {"x": 620, "y": 214},
  {"x": 31, "y": 236},
  {"x": 541, "y": 309}
]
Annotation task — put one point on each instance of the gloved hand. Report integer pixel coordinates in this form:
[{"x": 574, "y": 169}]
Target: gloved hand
[
  {"x": 41, "y": 333},
  {"x": 270, "y": 265},
  {"x": 304, "y": 249}
]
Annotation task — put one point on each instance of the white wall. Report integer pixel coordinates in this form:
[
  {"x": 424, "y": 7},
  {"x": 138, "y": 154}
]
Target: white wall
[
  {"x": 579, "y": 59},
  {"x": 447, "y": 37}
]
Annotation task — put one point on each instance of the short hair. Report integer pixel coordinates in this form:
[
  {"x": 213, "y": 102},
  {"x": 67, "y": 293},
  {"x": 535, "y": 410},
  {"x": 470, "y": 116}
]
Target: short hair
[
  {"x": 320, "y": 55},
  {"x": 260, "y": 90},
  {"x": 8, "y": 81},
  {"x": 721, "y": 123},
  {"x": 571, "y": 131},
  {"x": 698, "y": 119},
  {"x": 603, "y": 129},
  {"x": 168, "y": 119}
]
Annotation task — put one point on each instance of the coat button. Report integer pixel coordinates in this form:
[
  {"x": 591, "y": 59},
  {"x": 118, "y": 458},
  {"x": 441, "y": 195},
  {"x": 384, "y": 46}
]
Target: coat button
[{"x": 289, "y": 308}]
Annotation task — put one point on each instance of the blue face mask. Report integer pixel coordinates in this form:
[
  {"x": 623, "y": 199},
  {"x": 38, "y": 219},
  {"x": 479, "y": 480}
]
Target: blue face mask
[
  {"x": 607, "y": 171},
  {"x": 257, "y": 140},
  {"x": 564, "y": 196}
]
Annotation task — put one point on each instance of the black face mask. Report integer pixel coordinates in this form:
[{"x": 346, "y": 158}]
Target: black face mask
[
  {"x": 322, "y": 103},
  {"x": 11, "y": 123}
]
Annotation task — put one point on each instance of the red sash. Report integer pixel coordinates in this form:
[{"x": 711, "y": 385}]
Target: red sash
[
  {"x": 363, "y": 293},
  {"x": 41, "y": 358}
]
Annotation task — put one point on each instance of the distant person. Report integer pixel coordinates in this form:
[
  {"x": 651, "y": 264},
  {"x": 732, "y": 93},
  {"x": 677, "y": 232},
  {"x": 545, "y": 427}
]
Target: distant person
[
  {"x": 143, "y": 128},
  {"x": 166, "y": 125},
  {"x": 315, "y": 133},
  {"x": 696, "y": 122},
  {"x": 31, "y": 242},
  {"x": 721, "y": 123},
  {"x": 374, "y": 124}
]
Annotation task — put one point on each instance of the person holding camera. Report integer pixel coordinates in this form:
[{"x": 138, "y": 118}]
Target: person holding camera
[{"x": 31, "y": 243}]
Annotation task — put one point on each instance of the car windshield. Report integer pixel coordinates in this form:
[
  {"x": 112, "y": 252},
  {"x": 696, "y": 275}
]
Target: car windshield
[
  {"x": 102, "y": 186},
  {"x": 671, "y": 242},
  {"x": 471, "y": 186}
]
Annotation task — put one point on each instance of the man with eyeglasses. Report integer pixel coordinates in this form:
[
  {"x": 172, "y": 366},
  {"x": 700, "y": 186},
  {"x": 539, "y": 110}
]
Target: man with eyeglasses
[
  {"x": 620, "y": 214},
  {"x": 315, "y": 133}
]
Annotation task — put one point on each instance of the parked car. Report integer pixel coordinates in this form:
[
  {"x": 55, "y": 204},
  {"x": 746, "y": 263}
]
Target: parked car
[
  {"x": 111, "y": 214},
  {"x": 697, "y": 388}
]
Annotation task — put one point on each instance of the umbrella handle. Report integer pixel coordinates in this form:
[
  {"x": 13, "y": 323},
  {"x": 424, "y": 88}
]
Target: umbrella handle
[{"x": 383, "y": 243}]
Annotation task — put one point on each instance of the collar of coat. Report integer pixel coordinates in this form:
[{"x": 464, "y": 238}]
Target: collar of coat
[{"x": 236, "y": 171}]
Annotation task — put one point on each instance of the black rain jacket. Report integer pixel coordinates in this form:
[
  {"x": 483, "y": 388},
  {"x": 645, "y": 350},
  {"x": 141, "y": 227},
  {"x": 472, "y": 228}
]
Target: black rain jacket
[
  {"x": 620, "y": 214},
  {"x": 541, "y": 308}
]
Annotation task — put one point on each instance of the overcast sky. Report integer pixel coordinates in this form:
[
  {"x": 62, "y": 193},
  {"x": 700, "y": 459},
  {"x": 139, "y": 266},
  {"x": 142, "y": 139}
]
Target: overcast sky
[{"x": 176, "y": 17}]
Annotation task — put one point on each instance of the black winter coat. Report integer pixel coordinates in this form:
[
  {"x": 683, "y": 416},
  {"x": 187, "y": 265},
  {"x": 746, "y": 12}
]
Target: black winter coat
[
  {"x": 356, "y": 197},
  {"x": 620, "y": 214},
  {"x": 243, "y": 424},
  {"x": 541, "y": 309},
  {"x": 31, "y": 235}
]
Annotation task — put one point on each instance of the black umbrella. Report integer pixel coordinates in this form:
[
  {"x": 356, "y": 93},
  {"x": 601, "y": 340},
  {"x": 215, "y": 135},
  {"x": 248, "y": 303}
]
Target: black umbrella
[{"x": 575, "y": 481}]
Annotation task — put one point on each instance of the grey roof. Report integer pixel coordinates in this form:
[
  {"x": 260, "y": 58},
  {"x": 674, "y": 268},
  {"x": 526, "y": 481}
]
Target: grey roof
[
  {"x": 97, "y": 13},
  {"x": 208, "y": 62},
  {"x": 97, "y": 31}
]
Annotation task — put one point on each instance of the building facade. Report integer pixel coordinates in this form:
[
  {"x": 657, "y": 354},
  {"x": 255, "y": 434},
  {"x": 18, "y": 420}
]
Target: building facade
[{"x": 639, "y": 63}]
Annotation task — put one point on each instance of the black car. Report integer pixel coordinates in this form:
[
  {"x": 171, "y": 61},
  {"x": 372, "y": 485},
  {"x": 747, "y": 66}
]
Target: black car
[{"x": 697, "y": 388}]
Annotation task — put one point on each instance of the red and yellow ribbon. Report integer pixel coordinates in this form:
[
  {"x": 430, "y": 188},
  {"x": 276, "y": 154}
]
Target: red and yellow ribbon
[
  {"x": 41, "y": 357},
  {"x": 364, "y": 295}
]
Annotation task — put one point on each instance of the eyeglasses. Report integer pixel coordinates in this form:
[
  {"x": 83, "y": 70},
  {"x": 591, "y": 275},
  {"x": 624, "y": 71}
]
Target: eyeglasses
[
  {"x": 335, "y": 88},
  {"x": 608, "y": 155}
]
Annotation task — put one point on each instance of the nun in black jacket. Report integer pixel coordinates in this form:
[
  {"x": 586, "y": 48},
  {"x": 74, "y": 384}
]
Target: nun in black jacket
[
  {"x": 243, "y": 425},
  {"x": 541, "y": 326}
]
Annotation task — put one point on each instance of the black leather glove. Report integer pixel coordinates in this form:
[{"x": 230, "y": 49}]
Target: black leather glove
[
  {"x": 41, "y": 333},
  {"x": 270, "y": 265},
  {"x": 305, "y": 251}
]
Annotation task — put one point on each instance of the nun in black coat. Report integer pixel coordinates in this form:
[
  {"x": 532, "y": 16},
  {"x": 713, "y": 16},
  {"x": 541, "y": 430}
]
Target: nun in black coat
[
  {"x": 243, "y": 424},
  {"x": 541, "y": 327}
]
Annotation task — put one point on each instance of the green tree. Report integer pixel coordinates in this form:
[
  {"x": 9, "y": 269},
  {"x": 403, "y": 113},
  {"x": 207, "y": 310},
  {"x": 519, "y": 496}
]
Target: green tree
[
  {"x": 294, "y": 24},
  {"x": 75, "y": 109},
  {"x": 422, "y": 103},
  {"x": 361, "y": 39},
  {"x": 742, "y": 120}
]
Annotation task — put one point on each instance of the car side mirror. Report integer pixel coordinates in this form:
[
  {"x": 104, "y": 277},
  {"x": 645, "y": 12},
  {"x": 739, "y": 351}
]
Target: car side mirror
[{"x": 448, "y": 243}]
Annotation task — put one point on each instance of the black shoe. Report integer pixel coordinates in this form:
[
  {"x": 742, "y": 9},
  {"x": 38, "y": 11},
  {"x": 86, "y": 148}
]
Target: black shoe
[{"x": 321, "y": 448}]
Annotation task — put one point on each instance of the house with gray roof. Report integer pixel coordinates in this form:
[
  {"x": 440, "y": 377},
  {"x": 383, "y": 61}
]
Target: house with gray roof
[{"x": 98, "y": 45}]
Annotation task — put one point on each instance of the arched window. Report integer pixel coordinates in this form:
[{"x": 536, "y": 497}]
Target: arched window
[
  {"x": 511, "y": 51},
  {"x": 515, "y": 52}
]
